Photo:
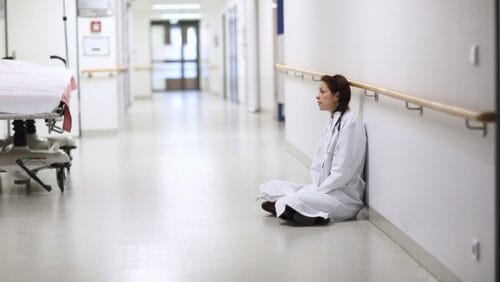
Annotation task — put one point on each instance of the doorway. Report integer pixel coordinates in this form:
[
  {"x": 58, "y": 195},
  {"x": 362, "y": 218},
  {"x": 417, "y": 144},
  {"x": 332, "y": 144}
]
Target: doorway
[{"x": 175, "y": 55}]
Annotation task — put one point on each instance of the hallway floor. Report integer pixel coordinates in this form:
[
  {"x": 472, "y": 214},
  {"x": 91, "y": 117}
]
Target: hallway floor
[{"x": 172, "y": 198}]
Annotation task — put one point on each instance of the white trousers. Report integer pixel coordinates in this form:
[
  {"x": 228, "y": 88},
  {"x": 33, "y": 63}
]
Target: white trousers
[{"x": 336, "y": 205}]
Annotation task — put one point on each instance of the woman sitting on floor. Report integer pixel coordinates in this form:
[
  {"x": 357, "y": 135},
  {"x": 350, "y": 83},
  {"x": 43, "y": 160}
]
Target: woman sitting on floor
[{"x": 337, "y": 187}]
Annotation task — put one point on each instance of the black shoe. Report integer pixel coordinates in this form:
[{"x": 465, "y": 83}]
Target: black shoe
[
  {"x": 269, "y": 207},
  {"x": 322, "y": 221},
  {"x": 288, "y": 213},
  {"x": 308, "y": 221}
]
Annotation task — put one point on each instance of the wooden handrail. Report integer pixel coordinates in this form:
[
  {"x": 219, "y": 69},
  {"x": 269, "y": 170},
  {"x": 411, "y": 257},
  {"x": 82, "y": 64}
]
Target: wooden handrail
[
  {"x": 438, "y": 106},
  {"x": 142, "y": 68},
  {"x": 89, "y": 72}
]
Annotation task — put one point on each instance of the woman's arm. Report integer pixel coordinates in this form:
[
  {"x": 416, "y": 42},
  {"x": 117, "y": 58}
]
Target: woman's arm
[{"x": 348, "y": 156}]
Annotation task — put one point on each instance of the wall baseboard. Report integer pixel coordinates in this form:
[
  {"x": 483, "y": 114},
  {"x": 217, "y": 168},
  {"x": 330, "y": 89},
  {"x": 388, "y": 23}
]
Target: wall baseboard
[
  {"x": 419, "y": 254},
  {"x": 294, "y": 151},
  {"x": 143, "y": 97},
  {"x": 99, "y": 132}
]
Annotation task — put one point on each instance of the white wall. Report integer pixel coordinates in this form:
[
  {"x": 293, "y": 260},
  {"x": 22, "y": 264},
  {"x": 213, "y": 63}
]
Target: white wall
[
  {"x": 123, "y": 35},
  {"x": 247, "y": 45},
  {"x": 104, "y": 95},
  {"x": 251, "y": 54},
  {"x": 205, "y": 45},
  {"x": 99, "y": 99},
  {"x": 429, "y": 175},
  {"x": 35, "y": 36},
  {"x": 2, "y": 34},
  {"x": 267, "y": 32},
  {"x": 3, "y": 124},
  {"x": 140, "y": 47},
  {"x": 212, "y": 52}
]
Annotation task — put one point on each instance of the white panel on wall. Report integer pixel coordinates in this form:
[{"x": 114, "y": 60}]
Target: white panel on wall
[
  {"x": 99, "y": 103},
  {"x": 99, "y": 94},
  {"x": 3, "y": 124},
  {"x": 212, "y": 51},
  {"x": 242, "y": 55},
  {"x": 252, "y": 56},
  {"x": 267, "y": 31},
  {"x": 2, "y": 28},
  {"x": 430, "y": 176},
  {"x": 140, "y": 60},
  {"x": 204, "y": 41},
  {"x": 212, "y": 44}
]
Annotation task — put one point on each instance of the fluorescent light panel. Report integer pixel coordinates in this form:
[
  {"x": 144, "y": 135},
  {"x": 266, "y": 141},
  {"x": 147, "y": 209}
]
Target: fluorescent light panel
[
  {"x": 176, "y": 6},
  {"x": 181, "y": 16}
]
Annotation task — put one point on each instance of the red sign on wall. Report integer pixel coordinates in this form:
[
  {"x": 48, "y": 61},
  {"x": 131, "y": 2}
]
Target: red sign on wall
[{"x": 95, "y": 26}]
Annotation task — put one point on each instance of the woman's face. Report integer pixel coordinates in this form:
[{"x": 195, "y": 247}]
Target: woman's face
[{"x": 327, "y": 101}]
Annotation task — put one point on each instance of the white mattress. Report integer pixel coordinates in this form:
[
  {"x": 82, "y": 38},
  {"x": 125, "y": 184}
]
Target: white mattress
[{"x": 27, "y": 88}]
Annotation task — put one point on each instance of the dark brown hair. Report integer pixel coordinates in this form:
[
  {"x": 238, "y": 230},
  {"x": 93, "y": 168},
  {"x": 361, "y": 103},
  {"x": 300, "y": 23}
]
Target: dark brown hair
[{"x": 338, "y": 83}]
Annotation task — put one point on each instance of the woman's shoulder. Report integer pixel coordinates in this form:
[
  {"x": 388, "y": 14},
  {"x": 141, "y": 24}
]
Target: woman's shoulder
[
  {"x": 350, "y": 119},
  {"x": 351, "y": 116}
]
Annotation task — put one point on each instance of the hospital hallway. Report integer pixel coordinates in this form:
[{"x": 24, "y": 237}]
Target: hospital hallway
[{"x": 172, "y": 197}]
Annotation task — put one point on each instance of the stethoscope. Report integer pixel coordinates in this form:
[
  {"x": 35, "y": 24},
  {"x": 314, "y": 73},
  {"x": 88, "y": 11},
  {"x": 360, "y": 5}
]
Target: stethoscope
[{"x": 329, "y": 147}]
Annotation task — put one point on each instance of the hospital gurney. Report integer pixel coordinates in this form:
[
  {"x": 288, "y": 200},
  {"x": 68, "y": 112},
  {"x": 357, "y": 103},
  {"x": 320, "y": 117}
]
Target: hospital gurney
[{"x": 29, "y": 92}]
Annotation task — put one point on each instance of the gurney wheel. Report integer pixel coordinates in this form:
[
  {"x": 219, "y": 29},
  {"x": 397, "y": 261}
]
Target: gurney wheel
[{"x": 61, "y": 178}]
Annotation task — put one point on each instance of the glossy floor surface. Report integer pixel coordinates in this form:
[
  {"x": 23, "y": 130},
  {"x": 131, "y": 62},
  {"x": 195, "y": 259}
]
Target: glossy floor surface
[{"x": 172, "y": 198}]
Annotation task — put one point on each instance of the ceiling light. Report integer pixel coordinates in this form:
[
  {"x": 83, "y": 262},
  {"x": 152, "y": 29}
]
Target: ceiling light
[
  {"x": 176, "y": 6},
  {"x": 181, "y": 16}
]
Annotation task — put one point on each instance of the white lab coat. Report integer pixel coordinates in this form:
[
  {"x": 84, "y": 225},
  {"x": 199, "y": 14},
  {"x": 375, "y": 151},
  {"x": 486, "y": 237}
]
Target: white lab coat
[{"x": 337, "y": 186}]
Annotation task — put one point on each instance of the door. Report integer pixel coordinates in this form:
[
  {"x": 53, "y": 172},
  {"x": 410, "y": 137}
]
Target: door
[{"x": 175, "y": 55}]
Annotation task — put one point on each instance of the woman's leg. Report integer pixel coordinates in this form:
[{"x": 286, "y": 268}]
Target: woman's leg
[
  {"x": 274, "y": 189},
  {"x": 314, "y": 204}
]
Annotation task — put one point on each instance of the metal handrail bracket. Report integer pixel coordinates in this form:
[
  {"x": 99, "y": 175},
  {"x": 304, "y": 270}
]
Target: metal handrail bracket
[
  {"x": 421, "y": 109},
  {"x": 374, "y": 95},
  {"x": 484, "y": 127}
]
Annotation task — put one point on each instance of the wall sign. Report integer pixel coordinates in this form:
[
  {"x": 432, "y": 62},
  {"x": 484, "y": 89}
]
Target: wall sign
[
  {"x": 95, "y": 8},
  {"x": 95, "y": 26},
  {"x": 96, "y": 45}
]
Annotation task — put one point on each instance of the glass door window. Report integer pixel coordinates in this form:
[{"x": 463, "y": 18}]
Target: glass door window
[{"x": 175, "y": 56}]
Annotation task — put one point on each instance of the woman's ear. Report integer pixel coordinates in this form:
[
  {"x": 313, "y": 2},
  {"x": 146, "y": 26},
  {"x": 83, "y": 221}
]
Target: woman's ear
[{"x": 336, "y": 96}]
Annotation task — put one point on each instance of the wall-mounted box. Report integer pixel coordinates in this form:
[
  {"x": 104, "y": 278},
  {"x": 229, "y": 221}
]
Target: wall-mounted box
[{"x": 96, "y": 45}]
